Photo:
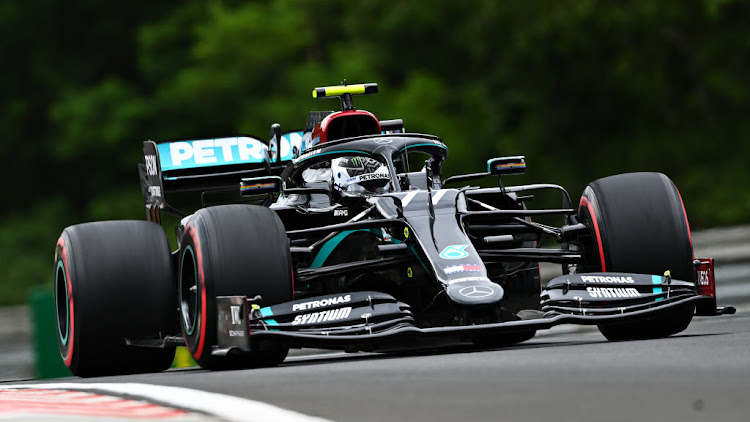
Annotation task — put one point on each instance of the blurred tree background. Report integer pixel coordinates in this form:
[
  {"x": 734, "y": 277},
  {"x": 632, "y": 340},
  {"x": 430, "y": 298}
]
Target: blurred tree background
[{"x": 583, "y": 88}]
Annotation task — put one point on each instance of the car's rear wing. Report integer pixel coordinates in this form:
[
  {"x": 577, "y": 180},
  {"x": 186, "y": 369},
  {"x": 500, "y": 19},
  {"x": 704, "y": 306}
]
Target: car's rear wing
[
  {"x": 285, "y": 146},
  {"x": 220, "y": 164},
  {"x": 199, "y": 165}
]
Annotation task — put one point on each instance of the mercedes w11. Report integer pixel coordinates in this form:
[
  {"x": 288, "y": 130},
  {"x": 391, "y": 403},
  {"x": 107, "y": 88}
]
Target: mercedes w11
[{"x": 346, "y": 235}]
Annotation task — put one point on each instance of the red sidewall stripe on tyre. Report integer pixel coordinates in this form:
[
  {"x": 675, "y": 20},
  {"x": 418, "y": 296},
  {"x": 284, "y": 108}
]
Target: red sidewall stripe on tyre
[
  {"x": 585, "y": 203},
  {"x": 202, "y": 280},
  {"x": 687, "y": 223},
  {"x": 68, "y": 357},
  {"x": 292, "y": 270}
]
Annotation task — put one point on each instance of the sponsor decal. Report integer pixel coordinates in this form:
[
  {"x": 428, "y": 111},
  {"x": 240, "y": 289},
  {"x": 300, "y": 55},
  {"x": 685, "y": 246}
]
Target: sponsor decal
[
  {"x": 372, "y": 176},
  {"x": 235, "y": 310},
  {"x": 476, "y": 292},
  {"x": 612, "y": 292},
  {"x": 360, "y": 165},
  {"x": 323, "y": 316},
  {"x": 608, "y": 279},
  {"x": 151, "y": 169},
  {"x": 211, "y": 152},
  {"x": 340, "y": 213},
  {"x": 454, "y": 252},
  {"x": 321, "y": 303},
  {"x": 154, "y": 191},
  {"x": 703, "y": 279},
  {"x": 236, "y": 333},
  {"x": 383, "y": 141},
  {"x": 465, "y": 279},
  {"x": 306, "y": 155},
  {"x": 462, "y": 268},
  {"x": 366, "y": 178}
]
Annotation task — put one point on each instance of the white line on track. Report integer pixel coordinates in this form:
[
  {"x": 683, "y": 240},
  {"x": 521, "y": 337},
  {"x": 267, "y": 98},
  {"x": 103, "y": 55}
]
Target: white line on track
[{"x": 225, "y": 407}]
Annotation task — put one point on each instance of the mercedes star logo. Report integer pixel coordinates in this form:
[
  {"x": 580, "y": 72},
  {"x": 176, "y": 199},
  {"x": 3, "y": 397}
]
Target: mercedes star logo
[{"x": 476, "y": 291}]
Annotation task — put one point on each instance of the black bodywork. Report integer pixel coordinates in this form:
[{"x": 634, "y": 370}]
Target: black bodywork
[{"x": 432, "y": 259}]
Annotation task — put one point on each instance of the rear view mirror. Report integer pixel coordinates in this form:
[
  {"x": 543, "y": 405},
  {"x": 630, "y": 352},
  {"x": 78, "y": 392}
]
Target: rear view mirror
[
  {"x": 260, "y": 185},
  {"x": 507, "y": 165}
]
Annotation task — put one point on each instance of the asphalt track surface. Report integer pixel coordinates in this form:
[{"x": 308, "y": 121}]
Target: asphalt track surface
[
  {"x": 569, "y": 374},
  {"x": 701, "y": 374}
]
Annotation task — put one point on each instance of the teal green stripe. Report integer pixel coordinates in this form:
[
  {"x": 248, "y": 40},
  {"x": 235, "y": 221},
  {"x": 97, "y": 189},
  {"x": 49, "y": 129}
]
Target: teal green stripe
[
  {"x": 422, "y": 145},
  {"x": 271, "y": 322},
  {"x": 330, "y": 246},
  {"x": 655, "y": 279},
  {"x": 266, "y": 312},
  {"x": 332, "y": 152},
  {"x": 414, "y": 251}
]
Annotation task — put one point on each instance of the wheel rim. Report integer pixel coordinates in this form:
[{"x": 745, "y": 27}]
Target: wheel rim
[
  {"x": 188, "y": 287},
  {"x": 62, "y": 307}
]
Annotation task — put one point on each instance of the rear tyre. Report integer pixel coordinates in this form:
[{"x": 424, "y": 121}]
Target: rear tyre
[
  {"x": 639, "y": 225},
  {"x": 231, "y": 250},
  {"x": 113, "y": 280}
]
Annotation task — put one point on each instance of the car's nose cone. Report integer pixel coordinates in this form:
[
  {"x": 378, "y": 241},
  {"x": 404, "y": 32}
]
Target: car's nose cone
[{"x": 475, "y": 291}]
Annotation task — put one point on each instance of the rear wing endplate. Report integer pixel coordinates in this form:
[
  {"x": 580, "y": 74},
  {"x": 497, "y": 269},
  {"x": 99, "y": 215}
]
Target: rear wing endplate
[{"x": 198, "y": 165}]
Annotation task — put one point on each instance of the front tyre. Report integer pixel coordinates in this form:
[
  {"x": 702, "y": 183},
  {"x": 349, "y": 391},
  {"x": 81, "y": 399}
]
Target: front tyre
[
  {"x": 639, "y": 225},
  {"x": 113, "y": 280},
  {"x": 231, "y": 250}
]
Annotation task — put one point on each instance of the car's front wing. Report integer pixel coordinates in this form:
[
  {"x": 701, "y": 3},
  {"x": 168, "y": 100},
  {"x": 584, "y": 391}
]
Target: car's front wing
[{"x": 378, "y": 325}]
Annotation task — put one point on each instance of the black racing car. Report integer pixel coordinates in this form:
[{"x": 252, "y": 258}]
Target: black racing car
[{"x": 346, "y": 236}]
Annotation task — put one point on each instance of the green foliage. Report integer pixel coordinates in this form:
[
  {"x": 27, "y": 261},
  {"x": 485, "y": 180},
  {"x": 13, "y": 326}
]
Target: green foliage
[
  {"x": 27, "y": 244},
  {"x": 583, "y": 88}
]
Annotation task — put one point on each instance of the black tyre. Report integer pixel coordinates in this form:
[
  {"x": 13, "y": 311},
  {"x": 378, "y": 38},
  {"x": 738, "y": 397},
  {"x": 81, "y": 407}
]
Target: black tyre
[
  {"x": 113, "y": 280},
  {"x": 231, "y": 250},
  {"x": 639, "y": 225}
]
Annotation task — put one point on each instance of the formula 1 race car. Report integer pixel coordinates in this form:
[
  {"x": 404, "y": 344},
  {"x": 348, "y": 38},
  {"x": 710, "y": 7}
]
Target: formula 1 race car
[{"x": 346, "y": 236}]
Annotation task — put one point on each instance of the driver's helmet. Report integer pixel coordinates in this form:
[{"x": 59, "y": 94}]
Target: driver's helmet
[{"x": 357, "y": 175}]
